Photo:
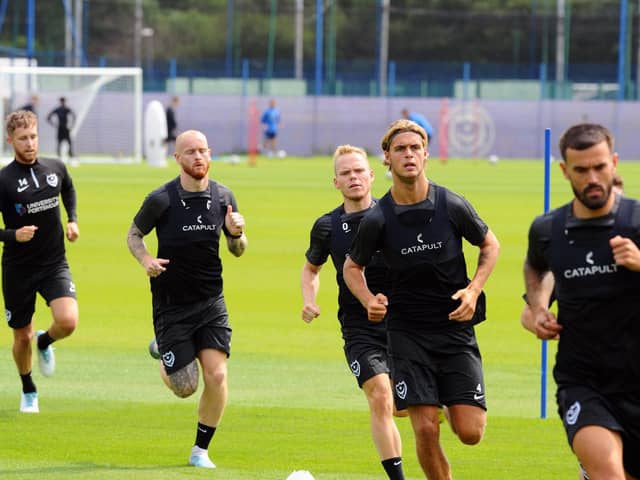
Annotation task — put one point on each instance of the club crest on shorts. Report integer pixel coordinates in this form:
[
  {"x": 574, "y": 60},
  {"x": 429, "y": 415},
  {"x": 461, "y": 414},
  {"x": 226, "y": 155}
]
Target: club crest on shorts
[
  {"x": 401, "y": 389},
  {"x": 7, "y": 314},
  {"x": 571, "y": 417},
  {"x": 355, "y": 367},
  {"x": 52, "y": 180},
  {"x": 168, "y": 359}
]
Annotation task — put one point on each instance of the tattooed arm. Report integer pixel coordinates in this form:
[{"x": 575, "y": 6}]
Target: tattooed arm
[{"x": 135, "y": 241}]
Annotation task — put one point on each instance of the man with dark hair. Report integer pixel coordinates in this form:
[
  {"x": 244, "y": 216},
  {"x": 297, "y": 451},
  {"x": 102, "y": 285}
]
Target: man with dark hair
[
  {"x": 31, "y": 105},
  {"x": 590, "y": 248},
  {"x": 64, "y": 123},
  {"x": 33, "y": 258},
  {"x": 432, "y": 306},
  {"x": 365, "y": 342},
  {"x": 190, "y": 316},
  {"x": 172, "y": 122}
]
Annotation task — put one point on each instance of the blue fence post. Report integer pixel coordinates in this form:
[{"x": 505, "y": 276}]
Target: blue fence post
[
  {"x": 245, "y": 76},
  {"x": 542, "y": 77},
  {"x": 622, "y": 49},
  {"x": 31, "y": 28},
  {"x": 391, "y": 90},
  {"x": 466, "y": 78},
  {"x": 173, "y": 73},
  {"x": 319, "y": 42}
]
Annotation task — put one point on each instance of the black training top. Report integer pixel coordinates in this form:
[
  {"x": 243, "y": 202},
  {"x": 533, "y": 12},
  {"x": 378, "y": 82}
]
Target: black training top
[
  {"x": 332, "y": 234},
  {"x": 63, "y": 114},
  {"x": 422, "y": 244},
  {"x": 598, "y": 304},
  {"x": 29, "y": 195},
  {"x": 188, "y": 226}
]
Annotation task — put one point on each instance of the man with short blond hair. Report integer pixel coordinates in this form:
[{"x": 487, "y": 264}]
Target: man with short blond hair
[
  {"x": 365, "y": 342},
  {"x": 33, "y": 258}
]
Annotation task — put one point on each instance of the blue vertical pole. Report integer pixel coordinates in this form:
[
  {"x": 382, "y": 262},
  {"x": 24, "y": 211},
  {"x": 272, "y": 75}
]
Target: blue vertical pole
[
  {"x": 3, "y": 12},
  {"x": 533, "y": 38},
  {"x": 173, "y": 73},
  {"x": 319, "y": 42},
  {"x": 542, "y": 76},
  {"x": 391, "y": 90},
  {"x": 466, "y": 77},
  {"x": 622, "y": 47},
  {"x": 547, "y": 202},
  {"x": 85, "y": 31},
  {"x": 228, "y": 64},
  {"x": 245, "y": 76},
  {"x": 31, "y": 27}
]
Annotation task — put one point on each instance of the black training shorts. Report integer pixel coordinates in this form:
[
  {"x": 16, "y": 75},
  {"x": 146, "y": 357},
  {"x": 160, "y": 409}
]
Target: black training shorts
[
  {"x": 366, "y": 360},
  {"x": 581, "y": 406},
  {"x": 436, "y": 368},
  {"x": 182, "y": 330},
  {"x": 21, "y": 284}
]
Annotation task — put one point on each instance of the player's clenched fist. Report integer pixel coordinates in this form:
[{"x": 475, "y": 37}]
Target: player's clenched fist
[
  {"x": 26, "y": 233},
  {"x": 377, "y": 307}
]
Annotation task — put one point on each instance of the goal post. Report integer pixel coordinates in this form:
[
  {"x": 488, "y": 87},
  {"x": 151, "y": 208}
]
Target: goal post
[{"x": 106, "y": 102}]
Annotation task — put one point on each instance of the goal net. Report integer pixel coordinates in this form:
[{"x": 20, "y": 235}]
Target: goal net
[{"x": 106, "y": 103}]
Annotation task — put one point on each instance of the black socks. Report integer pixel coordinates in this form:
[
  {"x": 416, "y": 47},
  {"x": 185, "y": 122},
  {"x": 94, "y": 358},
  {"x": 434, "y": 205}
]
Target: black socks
[
  {"x": 44, "y": 341},
  {"x": 27, "y": 383},
  {"x": 204, "y": 436},
  {"x": 393, "y": 467}
]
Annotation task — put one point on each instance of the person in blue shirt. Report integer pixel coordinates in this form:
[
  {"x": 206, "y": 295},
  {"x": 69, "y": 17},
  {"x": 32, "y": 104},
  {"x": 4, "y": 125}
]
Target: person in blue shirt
[
  {"x": 271, "y": 119},
  {"x": 420, "y": 120}
]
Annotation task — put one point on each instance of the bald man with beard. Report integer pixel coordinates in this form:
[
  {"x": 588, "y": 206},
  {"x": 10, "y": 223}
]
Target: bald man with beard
[{"x": 190, "y": 318}]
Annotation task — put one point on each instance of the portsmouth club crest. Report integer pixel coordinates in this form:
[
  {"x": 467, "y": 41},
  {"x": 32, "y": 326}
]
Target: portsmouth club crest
[
  {"x": 168, "y": 359},
  {"x": 401, "y": 389},
  {"x": 355, "y": 367},
  {"x": 52, "y": 180}
]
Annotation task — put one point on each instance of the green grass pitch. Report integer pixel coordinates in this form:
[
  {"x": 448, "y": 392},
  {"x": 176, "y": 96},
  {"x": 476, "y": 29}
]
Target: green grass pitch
[{"x": 292, "y": 402}]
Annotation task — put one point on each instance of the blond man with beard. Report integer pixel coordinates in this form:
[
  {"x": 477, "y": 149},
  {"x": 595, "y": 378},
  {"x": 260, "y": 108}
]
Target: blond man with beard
[{"x": 33, "y": 258}]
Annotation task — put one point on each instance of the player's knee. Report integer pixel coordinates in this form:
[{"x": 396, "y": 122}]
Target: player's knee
[
  {"x": 184, "y": 388},
  {"x": 471, "y": 435},
  {"x": 183, "y": 391},
  {"x": 184, "y": 382},
  {"x": 67, "y": 324},
  {"x": 215, "y": 377},
  {"x": 65, "y": 316},
  {"x": 427, "y": 430},
  {"x": 22, "y": 338},
  {"x": 380, "y": 401}
]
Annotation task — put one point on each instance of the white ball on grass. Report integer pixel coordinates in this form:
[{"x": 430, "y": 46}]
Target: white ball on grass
[
  {"x": 300, "y": 475},
  {"x": 282, "y": 154},
  {"x": 493, "y": 159}
]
